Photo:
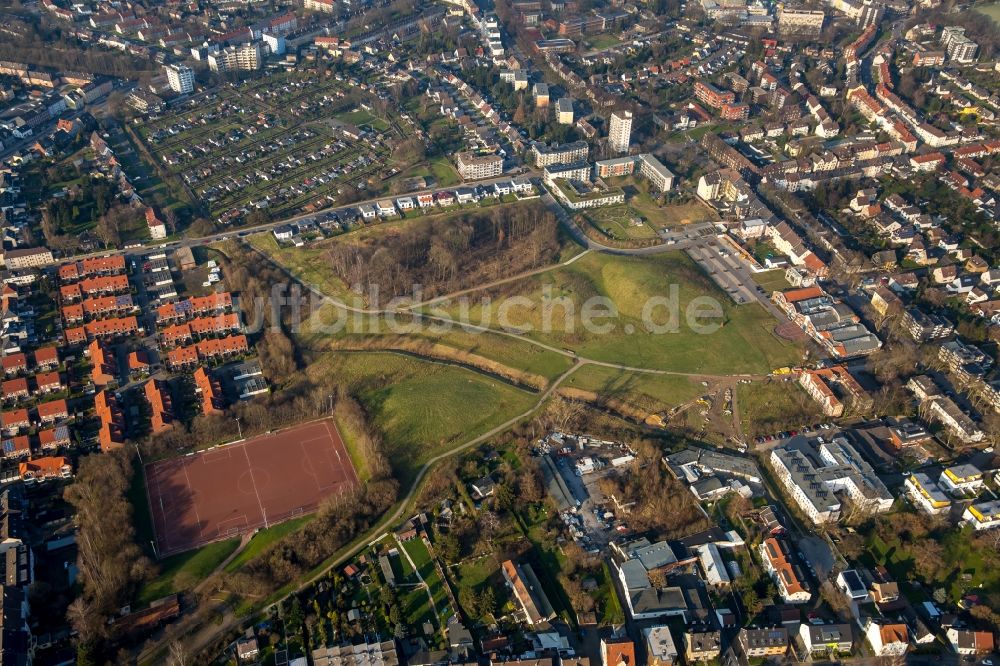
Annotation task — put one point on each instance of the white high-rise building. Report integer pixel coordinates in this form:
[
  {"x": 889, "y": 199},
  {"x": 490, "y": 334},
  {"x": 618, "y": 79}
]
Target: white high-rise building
[
  {"x": 620, "y": 131},
  {"x": 244, "y": 57},
  {"x": 180, "y": 78}
]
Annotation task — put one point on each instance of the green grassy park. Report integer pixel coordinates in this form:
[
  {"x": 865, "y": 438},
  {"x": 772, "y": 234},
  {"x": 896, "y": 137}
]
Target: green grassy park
[
  {"x": 743, "y": 343},
  {"x": 652, "y": 393},
  {"x": 423, "y": 408},
  {"x": 991, "y": 10},
  {"x": 185, "y": 570}
]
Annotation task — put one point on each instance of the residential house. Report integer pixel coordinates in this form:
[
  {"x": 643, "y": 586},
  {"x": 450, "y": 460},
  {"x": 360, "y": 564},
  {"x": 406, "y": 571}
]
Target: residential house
[
  {"x": 967, "y": 642},
  {"x": 768, "y": 642},
  {"x": 887, "y": 640},
  {"x": 702, "y": 645},
  {"x": 828, "y": 640}
]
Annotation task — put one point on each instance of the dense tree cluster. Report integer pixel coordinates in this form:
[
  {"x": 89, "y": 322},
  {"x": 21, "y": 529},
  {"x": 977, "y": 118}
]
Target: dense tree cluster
[
  {"x": 447, "y": 255},
  {"x": 111, "y": 564},
  {"x": 48, "y": 46},
  {"x": 257, "y": 279},
  {"x": 655, "y": 500}
]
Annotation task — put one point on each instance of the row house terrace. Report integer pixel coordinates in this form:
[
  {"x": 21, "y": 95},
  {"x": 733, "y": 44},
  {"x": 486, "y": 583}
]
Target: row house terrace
[
  {"x": 98, "y": 308},
  {"x": 194, "y": 307},
  {"x": 45, "y": 358},
  {"x": 112, "y": 431},
  {"x": 20, "y": 388},
  {"x": 209, "y": 390},
  {"x": 93, "y": 267},
  {"x": 207, "y": 350},
  {"x": 161, "y": 405},
  {"x": 103, "y": 328},
  {"x": 94, "y": 286},
  {"x": 201, "y": 327}
]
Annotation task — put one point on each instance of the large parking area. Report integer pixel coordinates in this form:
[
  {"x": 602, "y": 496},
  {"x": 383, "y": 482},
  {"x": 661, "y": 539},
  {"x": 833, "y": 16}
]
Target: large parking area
[
  {"x": 270, "y": 143},
  {"x": 726, "y": 270}
]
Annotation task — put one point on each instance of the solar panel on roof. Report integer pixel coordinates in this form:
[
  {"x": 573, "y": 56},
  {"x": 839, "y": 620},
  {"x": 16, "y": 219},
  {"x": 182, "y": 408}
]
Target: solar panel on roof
[{"x": 8, "y": 446}]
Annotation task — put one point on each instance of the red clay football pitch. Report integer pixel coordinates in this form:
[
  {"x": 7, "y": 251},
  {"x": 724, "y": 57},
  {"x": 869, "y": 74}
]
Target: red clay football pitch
[{"x": 236, "y": 488}]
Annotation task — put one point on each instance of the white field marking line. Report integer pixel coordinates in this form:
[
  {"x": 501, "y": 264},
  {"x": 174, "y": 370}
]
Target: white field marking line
[
  {"x": 313, "y": 472},
  {"x": 163, "y": 518},
  {"x": 253, "y": 481},
  {"x": 308, "y": 466},
  {"x": 228, "y": 530},
  {"x": 194, "y": 505},
  {"x": 349, "y": 465},
  {"x": 214, "y": 455}
]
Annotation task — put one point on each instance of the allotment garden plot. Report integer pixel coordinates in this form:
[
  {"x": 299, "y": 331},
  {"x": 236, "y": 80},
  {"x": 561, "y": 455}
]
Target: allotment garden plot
[{"x": 267, "y": 145}]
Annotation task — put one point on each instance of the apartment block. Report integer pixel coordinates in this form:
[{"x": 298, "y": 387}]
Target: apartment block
[
  {"x": 620, "y": 131},
  {"x": 812, "y": 474},
  {"x": 566, "y": 153},
  {"x": 478, "y": 167},
  {"x": 180, "y": 78},
  {"x": 236, "y": 58}
]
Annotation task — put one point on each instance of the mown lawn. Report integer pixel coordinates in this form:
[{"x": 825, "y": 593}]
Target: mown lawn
[
  {"x": 422, "y": 408},
  {"x": 421, "y": 557},
  {"x": 264, "y": 538},
  {"x": 770, "y": 406},
  {"x": 638, "y": 296},
  {"x": 772, "y": 280},
  {"x": 653, "y": 393},
  {"x": 185, "y": 570},
  {"x": 609, "y": 607},
  {"x": 361, "y": 118}
]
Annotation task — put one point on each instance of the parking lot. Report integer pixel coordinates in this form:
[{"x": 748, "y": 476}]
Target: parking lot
[
  {"x": 725, "y": 269},
  {"x": 269, "y": 144}
]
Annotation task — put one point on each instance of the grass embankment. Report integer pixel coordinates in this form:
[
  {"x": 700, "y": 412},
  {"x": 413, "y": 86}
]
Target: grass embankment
[
  {"x": 422, "y": 408},
  {"x": 992, "y": 11},
  {"x": 263, "y": 539},
  {"x": 513, "y": 360},
  {"x": 630, "y": 391},
  {"x": 743, "y": 343},
  {"x": 185, "y": 570}
]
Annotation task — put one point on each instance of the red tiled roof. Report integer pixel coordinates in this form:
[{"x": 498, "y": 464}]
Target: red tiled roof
[
  {"x": 210, "y": 390},
  {"x": 15, "y": 387},
  {"x": 795, "y": 295},
  {"x": 52, "y": 410},
  {"x": 158, "y": 395},
  {"x": 111, "y": 434},
  {"x": 228, "y": 345},
  {"x": 48, "y": 380},
  {"x": 115, "y": 326},
  {"x": 105, "y": 284},
  {"x": 138, "y": 360},
  {"x": 52, "y": 437},
  {"x": 96, "y": 265},
  {"x": 182, "y": 356},
  {"x": 70, "y": 292},
  {"x": 72, "y": 313},
  {"x": 45, "y": 467},
  {"x": 15, "y": 417},
  {"x": 19, "y": 446},
  {"x": 15, "y": 362}
]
